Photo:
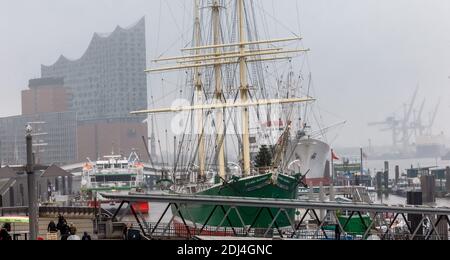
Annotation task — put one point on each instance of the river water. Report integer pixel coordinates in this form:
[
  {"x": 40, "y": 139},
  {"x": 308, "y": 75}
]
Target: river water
[
  {"x": 378, "y": 165},
  {"x": 397, "y": 200}
]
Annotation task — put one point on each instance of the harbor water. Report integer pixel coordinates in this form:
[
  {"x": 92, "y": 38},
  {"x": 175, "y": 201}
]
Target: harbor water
[
  {"x": 378, "y": 165},
  {"x": 398, "y": 200}
]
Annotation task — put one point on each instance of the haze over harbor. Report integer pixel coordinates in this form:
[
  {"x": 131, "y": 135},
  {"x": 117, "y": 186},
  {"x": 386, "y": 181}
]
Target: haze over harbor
[
  {"x": 366, "y": 59},
  {"x": 225, "y": 120}
]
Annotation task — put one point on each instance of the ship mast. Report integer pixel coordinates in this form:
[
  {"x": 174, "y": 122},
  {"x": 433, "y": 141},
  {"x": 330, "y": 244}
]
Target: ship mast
[
  {"x": 199, "y": 93},
  {"x": 218, "y": 90},
  {"x": 244, "y": 91},
  {"x": 215, "y": 56}
]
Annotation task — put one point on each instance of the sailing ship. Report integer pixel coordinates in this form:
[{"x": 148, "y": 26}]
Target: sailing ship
[
  {"x": 113, "y": 174},
  {"x": 219, "y": 72}
]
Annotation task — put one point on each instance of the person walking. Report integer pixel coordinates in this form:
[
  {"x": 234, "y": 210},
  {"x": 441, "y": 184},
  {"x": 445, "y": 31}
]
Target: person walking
[
  {"x": 86, "y": 236},
  {"x": 4, "y": 232},
  {"x": 73, "y": 233},
  {"x": 51, "y": 228}
]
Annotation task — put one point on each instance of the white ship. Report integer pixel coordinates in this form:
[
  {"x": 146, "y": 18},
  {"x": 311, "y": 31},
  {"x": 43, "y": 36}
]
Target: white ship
[
  {"x": 310, "y": 156},
  {"x": 113, "y": 174},
  {"x": 303, "y": 153}
]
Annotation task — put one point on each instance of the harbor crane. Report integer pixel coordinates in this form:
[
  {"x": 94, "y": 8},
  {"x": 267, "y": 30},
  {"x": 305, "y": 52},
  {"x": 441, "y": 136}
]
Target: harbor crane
[
  {"x": 393, "y": 125},
  {"x": 411, "y": 124}
]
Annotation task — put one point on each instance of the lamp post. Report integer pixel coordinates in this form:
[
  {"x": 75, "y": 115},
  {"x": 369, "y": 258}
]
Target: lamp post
[
  {"x": 29, "y": 169},
  {"x": 31, "y": 181}
]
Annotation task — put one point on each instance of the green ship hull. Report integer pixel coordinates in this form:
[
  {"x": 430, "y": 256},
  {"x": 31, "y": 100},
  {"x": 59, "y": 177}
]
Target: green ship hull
[{"x": 261, "y": 186}]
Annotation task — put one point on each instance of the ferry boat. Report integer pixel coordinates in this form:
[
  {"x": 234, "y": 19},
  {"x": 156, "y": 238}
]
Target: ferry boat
[{"x": 113, "y": 174}]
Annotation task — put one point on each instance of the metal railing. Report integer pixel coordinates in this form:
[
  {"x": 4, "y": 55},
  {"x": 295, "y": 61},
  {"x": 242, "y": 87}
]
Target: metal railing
[
  {"x": 165, "y": 231},
  {"x": 371, "y": 221}
]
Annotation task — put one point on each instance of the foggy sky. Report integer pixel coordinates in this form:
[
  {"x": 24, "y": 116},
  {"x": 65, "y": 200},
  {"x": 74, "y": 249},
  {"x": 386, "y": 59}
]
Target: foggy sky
[{"x": 367, "y": 56}]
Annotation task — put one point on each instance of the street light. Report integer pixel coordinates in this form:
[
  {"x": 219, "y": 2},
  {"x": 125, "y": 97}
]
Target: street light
[
  {"x": 28, "y": 129},
  {"x": 29, "y": 169},
  {"x": 31, "y": 181}
]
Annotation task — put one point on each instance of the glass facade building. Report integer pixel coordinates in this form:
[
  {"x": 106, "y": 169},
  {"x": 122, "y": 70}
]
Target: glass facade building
[{"x": 108, "y": 81}]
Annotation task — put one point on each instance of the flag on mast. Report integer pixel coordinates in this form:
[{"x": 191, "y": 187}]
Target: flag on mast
[{"x": 334, "y": 156}]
